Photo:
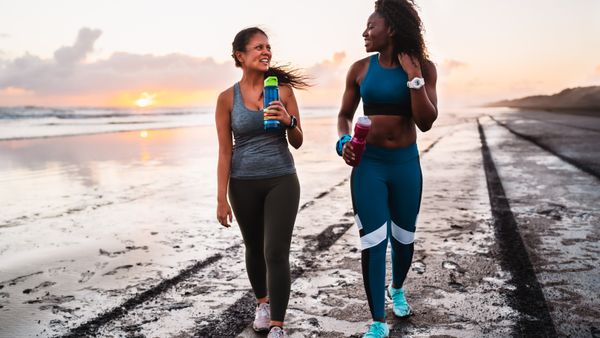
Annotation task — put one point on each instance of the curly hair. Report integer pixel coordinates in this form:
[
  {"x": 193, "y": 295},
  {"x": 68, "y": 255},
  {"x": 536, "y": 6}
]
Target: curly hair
[
  {"x": 285, "y": 74},
  {"x": 402, "y": 17}
]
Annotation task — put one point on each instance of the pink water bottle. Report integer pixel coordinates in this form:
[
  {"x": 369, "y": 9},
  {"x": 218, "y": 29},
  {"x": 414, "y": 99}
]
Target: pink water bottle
[{"x": 359, "y": 140}]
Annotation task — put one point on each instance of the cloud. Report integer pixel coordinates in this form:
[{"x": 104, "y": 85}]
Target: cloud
[
  {"x": 84, "y": 44},
  {"x": 68, "y": 73},
  {"x": 14, "y": 91},
  {"x": 328, "y": 79},
  {"x": 597, "y": 70},
  {"x": 329, "y": 73},
  {"x": 70, "y": 78},
  {"x": 449, "y": 65}
]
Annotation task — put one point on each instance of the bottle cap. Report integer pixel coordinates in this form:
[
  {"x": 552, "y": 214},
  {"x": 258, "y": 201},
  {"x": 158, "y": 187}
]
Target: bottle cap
[
  {"x": 271, "y": 81},
  {"x": 364, "y": 120}
]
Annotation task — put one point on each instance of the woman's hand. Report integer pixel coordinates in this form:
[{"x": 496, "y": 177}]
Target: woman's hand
[
  {"x": 276, "y": 111},
  {"x": 348, "y": 153},
  {"x": 224, "y": 214},
  {"x": 411, "y": 65}
]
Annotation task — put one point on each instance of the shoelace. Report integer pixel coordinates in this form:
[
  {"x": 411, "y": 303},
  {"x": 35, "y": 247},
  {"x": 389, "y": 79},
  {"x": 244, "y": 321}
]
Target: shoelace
[
  {"x": 379, "y": 331},
  {"x": 263, "y": 311},
  {"x": 399, "y": 299}
]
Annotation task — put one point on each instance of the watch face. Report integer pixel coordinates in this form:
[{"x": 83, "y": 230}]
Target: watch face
[{"x": 416, "y": 83}]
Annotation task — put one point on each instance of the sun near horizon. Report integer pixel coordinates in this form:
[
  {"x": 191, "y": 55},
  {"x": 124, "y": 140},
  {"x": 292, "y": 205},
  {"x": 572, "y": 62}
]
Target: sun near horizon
[
  {"x": 145, "y": 100},
  {"x": 153, "y": 98}
]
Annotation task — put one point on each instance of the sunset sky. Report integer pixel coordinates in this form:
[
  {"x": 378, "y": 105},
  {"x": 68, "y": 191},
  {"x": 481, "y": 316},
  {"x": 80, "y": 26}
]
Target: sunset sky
[{"x": 177, "y": 53}]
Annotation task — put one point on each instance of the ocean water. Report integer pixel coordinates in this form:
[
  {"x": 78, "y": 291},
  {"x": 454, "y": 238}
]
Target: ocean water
[{"x": 36, "y": 122}]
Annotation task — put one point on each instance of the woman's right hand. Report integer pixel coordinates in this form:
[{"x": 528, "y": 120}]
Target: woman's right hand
[
  {"x": 348, "y": 152},
  {"x": 224, "y": 214}
]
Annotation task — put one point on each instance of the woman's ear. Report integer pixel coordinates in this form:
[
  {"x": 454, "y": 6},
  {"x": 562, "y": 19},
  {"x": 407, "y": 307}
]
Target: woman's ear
[
  {"x": 239, "y": 56},
  {"x": 391, "y": 32}
]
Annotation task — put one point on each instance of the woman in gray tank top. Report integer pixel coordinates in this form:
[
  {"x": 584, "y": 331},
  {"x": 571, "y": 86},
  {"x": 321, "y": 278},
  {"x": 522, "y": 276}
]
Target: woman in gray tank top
[{"x": 256, "y": 171}]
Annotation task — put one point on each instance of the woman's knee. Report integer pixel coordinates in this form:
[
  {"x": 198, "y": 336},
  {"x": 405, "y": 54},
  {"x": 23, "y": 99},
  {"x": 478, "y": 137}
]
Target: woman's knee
[{"x": 277, "y": 256}]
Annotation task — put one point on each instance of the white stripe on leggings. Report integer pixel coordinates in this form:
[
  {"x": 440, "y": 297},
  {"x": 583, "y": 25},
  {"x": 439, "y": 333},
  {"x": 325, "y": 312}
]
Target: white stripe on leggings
[
  {"x": 401, "y": 235},
  {"x": 358, "y": 223},
  {"x": 371, "y": 239}
]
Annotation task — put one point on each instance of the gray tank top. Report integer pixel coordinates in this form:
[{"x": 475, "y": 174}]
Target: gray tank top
[{"x": 256, "y": 153}]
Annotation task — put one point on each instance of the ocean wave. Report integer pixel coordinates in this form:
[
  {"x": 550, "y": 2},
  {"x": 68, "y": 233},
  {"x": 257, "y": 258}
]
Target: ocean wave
[
  {"x": 28, "y": 113},
  {"x": 18, "y": 123}
]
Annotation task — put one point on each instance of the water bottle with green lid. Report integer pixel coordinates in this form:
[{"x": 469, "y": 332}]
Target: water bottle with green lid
[{"x": 271, "y": 93}]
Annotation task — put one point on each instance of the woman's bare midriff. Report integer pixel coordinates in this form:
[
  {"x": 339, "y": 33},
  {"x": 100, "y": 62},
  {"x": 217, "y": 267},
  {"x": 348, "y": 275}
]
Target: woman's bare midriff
[{"x": 391, "y": 131}]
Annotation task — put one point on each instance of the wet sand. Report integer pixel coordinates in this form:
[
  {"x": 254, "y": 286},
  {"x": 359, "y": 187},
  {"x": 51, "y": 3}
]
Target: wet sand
[{"x": 114, "y": 235}]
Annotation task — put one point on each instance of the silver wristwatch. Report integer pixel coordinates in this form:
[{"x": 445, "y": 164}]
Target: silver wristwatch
[{"x": 416, "y": 83}]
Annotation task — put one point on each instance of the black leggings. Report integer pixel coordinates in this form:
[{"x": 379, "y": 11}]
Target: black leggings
[{"x": 266, "y": 211}]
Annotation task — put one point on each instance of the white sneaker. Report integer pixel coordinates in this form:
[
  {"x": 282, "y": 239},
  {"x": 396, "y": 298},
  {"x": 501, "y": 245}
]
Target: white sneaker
[
  {"x": 262, "y": 318},
  {"x": 276, "y": 332}
]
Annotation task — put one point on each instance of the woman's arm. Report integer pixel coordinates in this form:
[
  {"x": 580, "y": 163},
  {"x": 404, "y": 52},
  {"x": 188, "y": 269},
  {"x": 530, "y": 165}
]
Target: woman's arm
[
  {"x": 350, "y": 100},
  {"x": 223, "y": 122},
  {"x": 424, "y": 100},
  {"x": 295, "y": 135}
]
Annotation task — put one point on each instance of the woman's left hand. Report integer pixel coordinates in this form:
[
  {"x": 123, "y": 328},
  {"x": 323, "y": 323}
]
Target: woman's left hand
[
  {"x": 410, "y": 64},
  {"x": 276, "y": 111}
]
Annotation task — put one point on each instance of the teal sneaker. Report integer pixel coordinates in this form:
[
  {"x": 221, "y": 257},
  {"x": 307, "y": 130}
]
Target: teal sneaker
[
  {"x": 400, "y": 305},
  {"x": 377, "y": 330}
]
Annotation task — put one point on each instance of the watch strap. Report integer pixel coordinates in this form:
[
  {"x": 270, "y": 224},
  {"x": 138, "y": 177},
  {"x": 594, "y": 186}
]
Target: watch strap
[{"x": 293, "y": 122}]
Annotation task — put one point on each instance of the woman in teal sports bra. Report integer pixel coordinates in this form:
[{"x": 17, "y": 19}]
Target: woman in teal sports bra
[{"x": 397, "y": 87}]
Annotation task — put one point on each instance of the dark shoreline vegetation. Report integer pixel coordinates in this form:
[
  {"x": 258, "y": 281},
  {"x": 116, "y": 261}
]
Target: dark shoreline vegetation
[{"x": 579, "y": 100}]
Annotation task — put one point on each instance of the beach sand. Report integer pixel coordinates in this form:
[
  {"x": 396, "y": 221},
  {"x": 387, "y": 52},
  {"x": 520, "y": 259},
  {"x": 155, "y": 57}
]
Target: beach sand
[
  {"x": 114, "y": 235},
  {"x": 89, "y": 221}
]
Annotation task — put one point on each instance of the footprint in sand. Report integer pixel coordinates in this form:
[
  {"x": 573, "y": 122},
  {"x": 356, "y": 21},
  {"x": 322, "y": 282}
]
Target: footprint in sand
[
  {"x": 85, "y": 276},
  {"x": 419, "y": 267},
  {"x": 115, "y": 270},
  {"x": 43, "y": 285},
  {"x": 453, "y": 266}
]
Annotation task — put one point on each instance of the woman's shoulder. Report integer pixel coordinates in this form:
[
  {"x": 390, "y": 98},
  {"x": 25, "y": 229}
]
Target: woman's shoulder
[
  {"x": 225, "y": 98},
  {"x": 361, "y": 63},
  {"x": 429, "y": 70},
  {"x": 227, "y": 92},
  {"x": 359, "y": 67},
  {"x": 286, "y": 89}
]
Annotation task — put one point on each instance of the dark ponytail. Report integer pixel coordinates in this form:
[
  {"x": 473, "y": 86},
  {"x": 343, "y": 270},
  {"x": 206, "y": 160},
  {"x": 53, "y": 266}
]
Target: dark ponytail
[{"x": 285, "y": 74}]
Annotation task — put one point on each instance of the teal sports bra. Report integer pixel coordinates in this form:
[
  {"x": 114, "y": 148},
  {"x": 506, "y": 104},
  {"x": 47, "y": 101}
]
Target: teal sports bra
[{"x": 384, "y": 91}]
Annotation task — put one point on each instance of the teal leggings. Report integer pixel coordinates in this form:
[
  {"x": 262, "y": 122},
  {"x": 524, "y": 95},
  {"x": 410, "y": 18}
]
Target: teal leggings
[
  {"x": 386, "y": 196},
  {"x": 265, "y": 210}
]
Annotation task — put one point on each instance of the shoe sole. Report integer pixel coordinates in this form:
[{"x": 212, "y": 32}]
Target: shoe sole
[
  {"x": 257, "y": 330},
  {"x": 405, "y": 316}
]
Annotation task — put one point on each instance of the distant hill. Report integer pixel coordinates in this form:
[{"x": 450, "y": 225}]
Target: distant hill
[{"x": 580, "y": 98}]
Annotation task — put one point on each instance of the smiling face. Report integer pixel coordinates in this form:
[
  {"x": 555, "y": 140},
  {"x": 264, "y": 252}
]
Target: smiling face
[
  {"x": 377, "y": 35},
  {"x": 257, "y": 55}
]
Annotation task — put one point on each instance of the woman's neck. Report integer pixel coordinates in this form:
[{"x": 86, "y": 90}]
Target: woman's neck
[
  {"x": 252, "y": 79},
  {"x": 387, "y": 58}
]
